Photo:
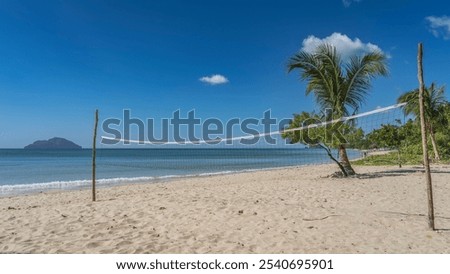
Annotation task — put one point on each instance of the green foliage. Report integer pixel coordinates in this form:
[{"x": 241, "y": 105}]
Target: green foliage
[
  {"x": 435, "y": 106},
  {"x": 356, "y": 138},
  {"x": 337, "y": 85},
  {"x": 443, "y": 132},
  {"x": 410, "y": 144},
  {"x": 302, "y": 136},
  {"x": 403, "y": 137},
  {"x": 388, "y": 136},
  {"x": 330, "y": 135},
  {"x": 434, "y": 101},
  {"x": 390, "y": 159}
]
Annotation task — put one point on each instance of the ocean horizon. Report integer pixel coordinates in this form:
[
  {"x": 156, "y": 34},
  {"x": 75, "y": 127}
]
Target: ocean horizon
[{"x": 30, "y": 171}]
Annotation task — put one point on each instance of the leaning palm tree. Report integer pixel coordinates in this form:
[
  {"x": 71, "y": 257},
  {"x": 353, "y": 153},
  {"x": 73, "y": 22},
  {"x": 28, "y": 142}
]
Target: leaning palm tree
[
  {"x": 434, "y": 100},
  {"x": 338, "y": 85}
]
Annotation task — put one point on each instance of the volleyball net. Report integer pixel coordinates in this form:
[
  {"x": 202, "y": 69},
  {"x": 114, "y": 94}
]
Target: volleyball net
[{"x": 285, "y": 142}]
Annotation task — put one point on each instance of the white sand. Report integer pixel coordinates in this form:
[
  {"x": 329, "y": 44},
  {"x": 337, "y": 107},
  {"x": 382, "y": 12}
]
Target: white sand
[{"x": 295, "y": 210}]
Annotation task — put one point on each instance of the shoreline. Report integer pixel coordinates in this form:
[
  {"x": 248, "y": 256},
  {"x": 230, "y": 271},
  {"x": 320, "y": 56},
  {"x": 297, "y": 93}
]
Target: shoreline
[
  {"x": 34, "y": 188},
  {"x": 288, "y": 210},
  {"x": 73, "y": 171}
]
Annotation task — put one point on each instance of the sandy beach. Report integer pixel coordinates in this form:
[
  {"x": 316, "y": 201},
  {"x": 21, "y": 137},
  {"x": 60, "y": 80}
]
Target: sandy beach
[{"x": 292, "y": 210}]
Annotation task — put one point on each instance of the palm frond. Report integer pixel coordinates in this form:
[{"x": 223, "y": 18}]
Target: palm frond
[
  {"x": 359, "y": 73},
  {"x": 341, "y": 87},
  {"x": 434, "y": 99}
]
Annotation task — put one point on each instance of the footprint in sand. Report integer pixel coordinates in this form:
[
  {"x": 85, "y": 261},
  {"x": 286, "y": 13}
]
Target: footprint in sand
[{"x": 93, "y": 245}]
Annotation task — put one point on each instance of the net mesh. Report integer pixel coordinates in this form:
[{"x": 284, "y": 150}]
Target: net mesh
[{"x": 150, "y": 161}]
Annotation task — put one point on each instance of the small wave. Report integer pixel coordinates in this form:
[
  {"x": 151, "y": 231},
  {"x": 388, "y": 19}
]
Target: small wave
[
  {"x": 7, "y": 190},
  {"x": 75, "y": 184},
  {"x": 18, "y": 189}
]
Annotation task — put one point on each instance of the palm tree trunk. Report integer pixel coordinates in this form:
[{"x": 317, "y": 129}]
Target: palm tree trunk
[
  {"x": 344, "y": 160},
  {"x": 344, "y": 172},
  {"x": 433, "y": 142}
]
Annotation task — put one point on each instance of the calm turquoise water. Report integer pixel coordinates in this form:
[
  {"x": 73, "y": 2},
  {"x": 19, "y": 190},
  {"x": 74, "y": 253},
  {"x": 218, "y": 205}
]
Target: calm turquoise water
[{"x": 23, "y": 171}]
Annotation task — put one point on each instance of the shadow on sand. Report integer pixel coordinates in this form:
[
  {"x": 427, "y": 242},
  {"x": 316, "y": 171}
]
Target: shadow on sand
[{"x": 398, "y": 172}]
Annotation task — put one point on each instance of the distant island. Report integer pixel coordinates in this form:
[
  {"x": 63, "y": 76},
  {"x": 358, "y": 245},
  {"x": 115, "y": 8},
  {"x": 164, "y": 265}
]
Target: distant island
[{"x": 53, "y": 143}]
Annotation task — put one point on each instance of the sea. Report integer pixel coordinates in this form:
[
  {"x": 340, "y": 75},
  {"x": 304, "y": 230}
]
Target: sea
[{"x": 29, "y": 171}]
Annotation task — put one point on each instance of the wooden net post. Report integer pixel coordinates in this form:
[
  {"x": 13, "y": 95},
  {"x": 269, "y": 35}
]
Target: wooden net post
[
  {"x": 94, "y": 147},
  {"x": 423, "y": 128}
]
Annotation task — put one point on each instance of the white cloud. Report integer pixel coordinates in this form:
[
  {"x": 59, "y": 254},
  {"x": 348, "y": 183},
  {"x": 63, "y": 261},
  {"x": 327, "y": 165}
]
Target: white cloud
[
  {"x": 347, "y": 3},
  {"x": 216, "y": 79},
  {"x": 343, "y": 44},
  {"x": 439, "y": 26}
]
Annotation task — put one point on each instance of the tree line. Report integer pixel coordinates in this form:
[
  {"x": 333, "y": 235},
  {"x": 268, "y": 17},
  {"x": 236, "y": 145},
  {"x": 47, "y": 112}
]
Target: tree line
[{"x": 341, "y": 87}]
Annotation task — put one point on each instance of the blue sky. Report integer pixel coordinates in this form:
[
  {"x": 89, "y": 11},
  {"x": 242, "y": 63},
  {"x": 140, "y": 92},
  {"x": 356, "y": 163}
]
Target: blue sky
[{"x": 60, "y": 60}]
